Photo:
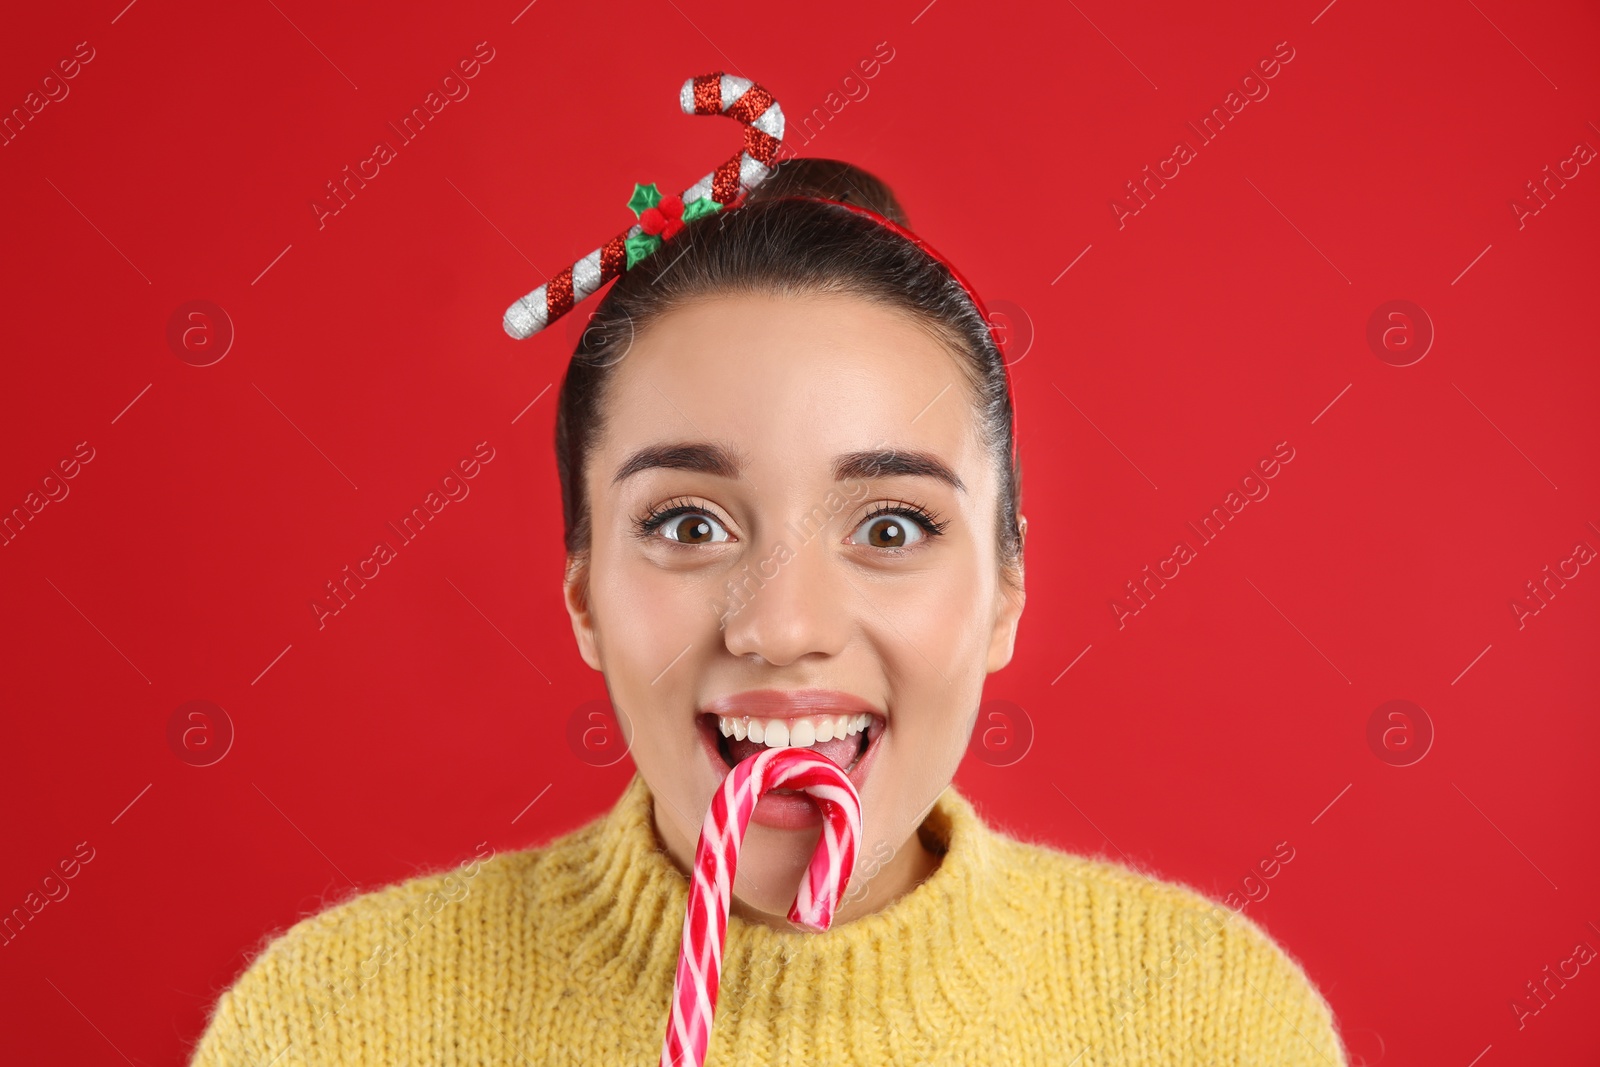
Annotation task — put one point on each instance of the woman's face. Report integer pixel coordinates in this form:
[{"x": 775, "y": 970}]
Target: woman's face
[{"x": 758, "y": 499}]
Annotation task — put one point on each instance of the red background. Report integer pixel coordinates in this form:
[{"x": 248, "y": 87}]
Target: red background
[{"x": 1226, "y": 316}]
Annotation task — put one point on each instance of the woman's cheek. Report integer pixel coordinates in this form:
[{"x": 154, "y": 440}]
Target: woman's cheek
[
  {"x": 652, "y": 617},
  {"x": 937, "y": 612}
]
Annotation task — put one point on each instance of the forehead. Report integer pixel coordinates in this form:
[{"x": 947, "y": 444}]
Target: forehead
[{"x": 793, "y": 380}]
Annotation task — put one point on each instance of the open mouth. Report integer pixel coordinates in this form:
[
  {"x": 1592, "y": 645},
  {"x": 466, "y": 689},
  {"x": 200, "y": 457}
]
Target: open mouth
[
  {"x": 851, "y": 740},
  {"x": 843, "y": 739},
  {"x": 839, "y": 726}
]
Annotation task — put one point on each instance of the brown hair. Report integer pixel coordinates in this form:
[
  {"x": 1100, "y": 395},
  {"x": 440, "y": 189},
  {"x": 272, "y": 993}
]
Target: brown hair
[{"x": 774, "y": 242}]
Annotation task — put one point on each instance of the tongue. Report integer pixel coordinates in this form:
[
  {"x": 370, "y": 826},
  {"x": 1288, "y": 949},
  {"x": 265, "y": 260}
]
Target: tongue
[{"x": 842, "y": 751}]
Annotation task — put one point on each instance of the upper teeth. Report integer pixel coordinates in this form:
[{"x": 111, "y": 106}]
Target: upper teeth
[{"x": 792, "y": 733}]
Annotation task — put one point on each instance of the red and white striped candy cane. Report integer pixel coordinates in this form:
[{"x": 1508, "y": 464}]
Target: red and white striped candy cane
[
  {"x": 716, "y": 860},
  {"x": 709, "y": 94}
]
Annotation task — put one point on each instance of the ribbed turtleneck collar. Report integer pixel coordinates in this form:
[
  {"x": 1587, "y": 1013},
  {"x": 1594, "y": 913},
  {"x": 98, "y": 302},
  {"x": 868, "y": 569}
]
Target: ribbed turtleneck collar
[{"x": 904, "y": 982}]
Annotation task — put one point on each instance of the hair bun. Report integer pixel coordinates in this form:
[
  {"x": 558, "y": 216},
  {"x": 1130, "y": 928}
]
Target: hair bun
[{"x": 831, "y": 179}]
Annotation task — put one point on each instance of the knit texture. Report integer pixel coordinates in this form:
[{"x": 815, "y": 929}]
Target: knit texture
[{"x": 1011, "y": 953}]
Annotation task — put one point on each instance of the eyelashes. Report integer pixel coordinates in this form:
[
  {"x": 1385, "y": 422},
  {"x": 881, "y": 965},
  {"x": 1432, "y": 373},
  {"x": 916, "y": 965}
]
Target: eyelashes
[
  {"x": 645, "y": 525},
  {"x": 931, "y": 523},
  {"x": 654, "y": 518}
]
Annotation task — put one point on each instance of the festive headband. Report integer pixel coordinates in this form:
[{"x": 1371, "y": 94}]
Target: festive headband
[{"x": 662, "y": 217}]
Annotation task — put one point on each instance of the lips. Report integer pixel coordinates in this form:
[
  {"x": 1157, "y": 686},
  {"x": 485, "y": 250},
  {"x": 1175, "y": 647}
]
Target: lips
[
  {"x": 790, "y": 703},
  {"x": 815, "y": 712},
  {"x": 833, "y": 724}
]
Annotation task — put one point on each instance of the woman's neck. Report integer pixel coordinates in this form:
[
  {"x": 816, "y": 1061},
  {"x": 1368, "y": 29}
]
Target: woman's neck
[{"x": 870, "y": 890}]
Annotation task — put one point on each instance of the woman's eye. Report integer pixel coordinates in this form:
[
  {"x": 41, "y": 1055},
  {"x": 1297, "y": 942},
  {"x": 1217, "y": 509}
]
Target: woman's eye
[
  {"x": 891, "y": 530},
  {"x": 693, "y": 528}
]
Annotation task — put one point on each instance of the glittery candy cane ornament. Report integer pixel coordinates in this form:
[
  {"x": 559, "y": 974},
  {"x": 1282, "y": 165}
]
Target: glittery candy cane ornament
[
  {"x": 716, "y": 859},
  {"x": 709, "y": 94}
]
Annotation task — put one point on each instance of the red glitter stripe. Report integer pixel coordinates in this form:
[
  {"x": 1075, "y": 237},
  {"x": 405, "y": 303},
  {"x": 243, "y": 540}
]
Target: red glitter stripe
[
  {"x": 613, "y": 258},
  {"x": 708, "y": 94},
  {"x": 762, "y": 146},
  {"x": 558, "y": 295},
  {"x": 725, "y": 182},
  {"x": 751, "y": 106}
]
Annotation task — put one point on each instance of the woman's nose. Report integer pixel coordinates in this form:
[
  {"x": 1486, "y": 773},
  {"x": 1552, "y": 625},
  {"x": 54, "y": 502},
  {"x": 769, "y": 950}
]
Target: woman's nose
[{"x": 792, "y": 601}]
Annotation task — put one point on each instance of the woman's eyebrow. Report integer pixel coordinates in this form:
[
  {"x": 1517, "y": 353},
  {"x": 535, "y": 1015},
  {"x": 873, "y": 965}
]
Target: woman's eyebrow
[
  {"x": 684, "y": 456},
  {"x": 889, "y": 462},
  {"x": 708, "y": 458}
]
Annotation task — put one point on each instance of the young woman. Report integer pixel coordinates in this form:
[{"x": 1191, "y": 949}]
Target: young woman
[{"x": 785, "y": 449}]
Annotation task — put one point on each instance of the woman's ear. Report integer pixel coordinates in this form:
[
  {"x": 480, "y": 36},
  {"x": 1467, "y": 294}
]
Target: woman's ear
[
  {"x": 1008, "y": 610},
  {"x": 575, "y": 591}
]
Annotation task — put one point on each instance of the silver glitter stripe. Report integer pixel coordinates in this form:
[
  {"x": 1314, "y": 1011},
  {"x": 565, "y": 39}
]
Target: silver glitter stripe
[
  {"x": 586, "y": 276},
  {"x": 771, "y": 121},
  {"x": 527, "y": 316},
  {"x": 698, "y": 189},
  {"x": 752, "y": 172},
  {"x": 686, "y": 97},
  {"x": 733, "y": 87}
]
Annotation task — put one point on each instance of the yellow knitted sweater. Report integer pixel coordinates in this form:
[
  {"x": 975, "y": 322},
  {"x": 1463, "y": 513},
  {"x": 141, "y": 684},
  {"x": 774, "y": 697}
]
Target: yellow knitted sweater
[{"x": 1009, "y": 953}]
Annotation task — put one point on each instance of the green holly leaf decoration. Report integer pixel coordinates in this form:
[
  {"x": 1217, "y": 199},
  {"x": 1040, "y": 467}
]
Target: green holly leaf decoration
[
  {"x": 700, "y": 208},
  {"x": 644, "y": 197},
  {"x": 639, "y": 246}
]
